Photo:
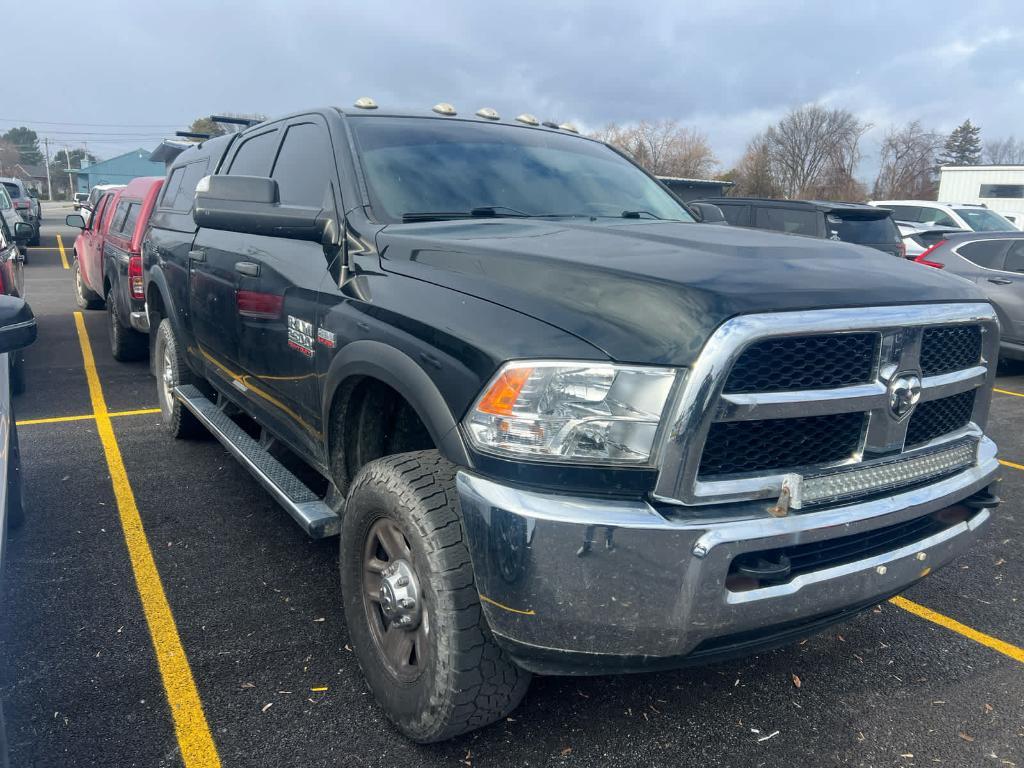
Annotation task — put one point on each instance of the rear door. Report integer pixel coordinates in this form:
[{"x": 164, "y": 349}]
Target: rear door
[
  {"x": 277, "y": 341},
  {"x": 117, "y": 245},
  {"x": 1007, "y": 290},
  {"x": 214, "y": 279},
  {"x": 89, "y": 246}
]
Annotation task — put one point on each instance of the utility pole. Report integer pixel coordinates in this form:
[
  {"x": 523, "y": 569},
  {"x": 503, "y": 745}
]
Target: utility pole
[
  {"x": 71, "y": 186},
  {"x": 49, "y": 185}
]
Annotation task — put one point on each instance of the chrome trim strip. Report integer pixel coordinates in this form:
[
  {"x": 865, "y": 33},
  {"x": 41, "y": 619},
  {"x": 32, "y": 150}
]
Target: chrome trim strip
[
  {"x": 848, "y": 569},
  {"x": 946, "y": 384},
  {"x": 805, "y": 402},
  {"x": 701, "y": 399}
]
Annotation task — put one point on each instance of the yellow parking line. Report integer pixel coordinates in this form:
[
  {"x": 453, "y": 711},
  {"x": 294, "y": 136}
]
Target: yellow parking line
[
  {"x": 1007, "y": 392},
  {"x": 63, "y": 256},
  {"x": 1011, "y": 464},
  {"x": 85, "y": 417},
  {"x": 1015, "y": 653},
  {"x": 190, "y": 726}
]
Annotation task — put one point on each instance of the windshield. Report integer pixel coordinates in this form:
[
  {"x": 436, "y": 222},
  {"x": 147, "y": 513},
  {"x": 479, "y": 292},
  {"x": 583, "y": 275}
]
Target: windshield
[
  {"x": 854, "y": 229},
  {"x": 984, "y": 220},
  {"x": 12, "y": 189},
  {"x": 428, "y": 166}
]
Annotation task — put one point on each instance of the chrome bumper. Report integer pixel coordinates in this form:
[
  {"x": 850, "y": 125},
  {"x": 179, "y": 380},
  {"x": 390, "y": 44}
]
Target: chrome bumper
[{"x": 652, "y": 586}]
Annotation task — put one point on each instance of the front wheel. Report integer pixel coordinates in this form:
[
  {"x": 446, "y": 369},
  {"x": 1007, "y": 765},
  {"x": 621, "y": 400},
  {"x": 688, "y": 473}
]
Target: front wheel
[
  {"x": 172, "y": 371},
  {"x": 411, "y": 603},
  {"x": 84, "y": 297}
]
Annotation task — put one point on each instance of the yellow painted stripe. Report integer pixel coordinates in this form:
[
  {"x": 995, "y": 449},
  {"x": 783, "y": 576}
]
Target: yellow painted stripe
[
  {"x": 1015, "y": 653},
  {"x": 1011, "y": 464},
  {"x": 1007, "y": 392},
  {"x": 503, "y": 607},
  {"x": 63, "y": 255},
  {"x": 85, "y": 417},
  {"x": 193, "y": 732}
]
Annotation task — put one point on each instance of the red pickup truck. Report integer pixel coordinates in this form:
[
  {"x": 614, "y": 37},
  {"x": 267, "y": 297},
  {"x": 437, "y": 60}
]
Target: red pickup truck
[{"x": 108, "y": 263}]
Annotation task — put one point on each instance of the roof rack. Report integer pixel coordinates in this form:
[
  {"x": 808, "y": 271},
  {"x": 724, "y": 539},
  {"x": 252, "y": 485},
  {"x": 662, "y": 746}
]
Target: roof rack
[{"x": 227, "y": 120}]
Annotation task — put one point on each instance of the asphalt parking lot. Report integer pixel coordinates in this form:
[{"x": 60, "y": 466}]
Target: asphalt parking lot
[{"x": 254, "y": 608}]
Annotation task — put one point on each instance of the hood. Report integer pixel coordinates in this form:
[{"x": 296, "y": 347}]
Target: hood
[{"x": 653, "y": 291}]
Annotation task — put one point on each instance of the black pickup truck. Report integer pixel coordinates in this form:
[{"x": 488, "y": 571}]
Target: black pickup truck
[{"x": 561, "y": 427}]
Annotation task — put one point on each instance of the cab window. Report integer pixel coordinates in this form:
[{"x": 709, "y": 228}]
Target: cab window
[
  {"x": 1015, "y": 257},
  {"x": 303, "y": 169},
  {"x": 254, "y": 156},
  {"x": 984, "y": 253},
  {"x": 788, "y": 220}
]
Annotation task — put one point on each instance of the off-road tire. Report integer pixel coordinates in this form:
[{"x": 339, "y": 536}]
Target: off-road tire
[
  {"x": 126, "y": 344},
  {"x": 84, "y": 298},
  {"x": 172, "y": 371},
  {"x": 468, "y": 681}
]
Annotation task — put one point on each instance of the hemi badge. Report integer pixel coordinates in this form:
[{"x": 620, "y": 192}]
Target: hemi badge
[{"x": 325, "y": 337}]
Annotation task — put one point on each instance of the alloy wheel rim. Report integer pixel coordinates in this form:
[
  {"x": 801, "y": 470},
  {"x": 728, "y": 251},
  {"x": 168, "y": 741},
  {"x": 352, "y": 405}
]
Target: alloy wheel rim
[
  {"x": 393, "y": 601},
  {"x": 166, "y": 381}
]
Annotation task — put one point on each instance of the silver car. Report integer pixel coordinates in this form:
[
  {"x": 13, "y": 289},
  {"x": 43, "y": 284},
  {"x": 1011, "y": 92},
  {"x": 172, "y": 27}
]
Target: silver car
[{"x": 995, "y": 261}]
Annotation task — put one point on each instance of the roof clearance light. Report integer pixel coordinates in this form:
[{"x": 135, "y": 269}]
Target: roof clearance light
[
  {"x": 528, "y": 119},
  {"x": 569, "y": 127},
  {"x": 489, "y": 113},
  {"x": 444, "y": 108},
  {"x": 365, "y": 102}
]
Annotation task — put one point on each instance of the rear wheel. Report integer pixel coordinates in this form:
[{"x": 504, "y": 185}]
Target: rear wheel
[
  {"x": 126, "y": 344},
  {"x": 84, "y": 297},
  {"x": 172, "y": 371},
  {"x": 411, "y": 603}
]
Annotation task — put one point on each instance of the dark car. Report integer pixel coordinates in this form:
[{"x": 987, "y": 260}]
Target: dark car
[
  {"x": 559, "y": 426},
  {"x": 848, "y": 222},
  {"x": 995, "y": 261},
  {"x": 12, "y": 283}
]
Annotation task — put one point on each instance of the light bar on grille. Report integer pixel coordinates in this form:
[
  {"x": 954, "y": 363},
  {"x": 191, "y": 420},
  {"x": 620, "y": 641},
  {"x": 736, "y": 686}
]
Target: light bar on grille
[{"x": 848, "y": 483}]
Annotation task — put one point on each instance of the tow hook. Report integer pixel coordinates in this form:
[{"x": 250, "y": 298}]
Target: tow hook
[
  {"x": 762, "y": 569},
  {"x": 982, "y": 500}
]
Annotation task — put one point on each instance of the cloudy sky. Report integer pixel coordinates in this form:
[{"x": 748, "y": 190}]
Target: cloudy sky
[{"x": 120, "y": 75}]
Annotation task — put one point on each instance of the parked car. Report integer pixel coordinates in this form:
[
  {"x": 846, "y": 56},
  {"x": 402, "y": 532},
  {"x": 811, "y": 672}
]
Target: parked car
[
  {"x": 94, "y": 197},
  {"x": 995, "y": 261},
  {"x": 918, "y": 238},
  {"x": 973, "y": 217},
  {"x": 120, "y": 274},
  {"x": 848, "y": 222},
  {"x": 79, "y": 199},
  {"x": 26, "y": 205},
  {"x": 88, "y": 250},
  {"x": 12, "y": 219},
  {"x": 559, "y": 426}
]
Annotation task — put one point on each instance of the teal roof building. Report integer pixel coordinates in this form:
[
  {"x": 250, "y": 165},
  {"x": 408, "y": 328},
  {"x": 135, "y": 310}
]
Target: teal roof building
[{"x": 119, "y": 170}]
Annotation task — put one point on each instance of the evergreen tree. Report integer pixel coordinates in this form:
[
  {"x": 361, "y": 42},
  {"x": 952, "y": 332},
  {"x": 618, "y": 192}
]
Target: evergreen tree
[
  {"x": 963, "y": 147},
  {"x": 26, "y": 142}
]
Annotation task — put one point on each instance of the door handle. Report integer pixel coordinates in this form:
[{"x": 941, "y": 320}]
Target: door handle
[
  {"x": 247, "y": 268},
  {"x": 1000, "y": 281},
  {"x": 197, "y": 255}
]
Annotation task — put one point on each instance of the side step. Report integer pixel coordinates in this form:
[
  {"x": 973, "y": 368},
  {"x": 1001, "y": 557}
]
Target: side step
[{"x": 316, "y": 518}]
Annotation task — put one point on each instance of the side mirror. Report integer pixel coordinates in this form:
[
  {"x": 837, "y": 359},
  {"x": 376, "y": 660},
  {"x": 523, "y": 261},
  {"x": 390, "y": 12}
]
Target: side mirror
[
  {"x": 708, "y": 213},
  {"x": 251, "y": 204},
  {"x": 75, "y": 220},
  {"x": 23, "y": 232},
  {"x": 17, "y": 324}
]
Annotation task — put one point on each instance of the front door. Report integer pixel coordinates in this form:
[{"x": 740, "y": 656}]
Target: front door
[{"x": 1009, "y": 291}]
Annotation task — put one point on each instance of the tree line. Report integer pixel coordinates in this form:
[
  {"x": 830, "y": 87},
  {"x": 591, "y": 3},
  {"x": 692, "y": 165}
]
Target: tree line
[{"x": 813, "y": 152}]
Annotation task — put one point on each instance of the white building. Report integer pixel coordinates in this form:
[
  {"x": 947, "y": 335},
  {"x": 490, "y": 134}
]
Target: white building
[{"x": 1000, "y": 187}]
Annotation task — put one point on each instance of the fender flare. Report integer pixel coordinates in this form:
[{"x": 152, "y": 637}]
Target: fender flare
[{"x": 405, "y": 376}]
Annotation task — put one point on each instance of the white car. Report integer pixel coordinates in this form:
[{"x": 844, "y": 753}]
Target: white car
[
  {"x": 1014, "y": 217},
  {"x": 926, "y": 213}
]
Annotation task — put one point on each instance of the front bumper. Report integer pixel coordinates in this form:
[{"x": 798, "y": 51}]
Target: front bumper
[{"x": 589, "y": 585}]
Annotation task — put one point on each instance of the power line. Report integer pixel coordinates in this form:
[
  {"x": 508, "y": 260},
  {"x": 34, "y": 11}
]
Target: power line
[{"x": 90, "y": 125}]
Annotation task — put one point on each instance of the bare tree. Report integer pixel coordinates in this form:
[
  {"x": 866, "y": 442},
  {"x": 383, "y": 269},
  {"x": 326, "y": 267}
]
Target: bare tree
[
  {"x": 664, "y": 148},
  {"x": 907, "y": 163},
  {"x": 1006, "y": 151},
  {"x": 813, "y": 149},
  {"x": 753, "y": 174}
]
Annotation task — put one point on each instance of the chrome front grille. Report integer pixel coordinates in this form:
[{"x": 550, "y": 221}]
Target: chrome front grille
[{"x": 741, "y": 428}]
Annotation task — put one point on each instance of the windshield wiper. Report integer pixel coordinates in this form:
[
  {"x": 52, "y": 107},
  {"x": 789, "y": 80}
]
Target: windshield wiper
[
  {"x": 638, "y": 214},
  {"x": 480, "y": 212}
]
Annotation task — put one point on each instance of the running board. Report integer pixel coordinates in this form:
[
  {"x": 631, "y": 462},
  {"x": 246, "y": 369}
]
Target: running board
[{"x": 309, "y": 510}]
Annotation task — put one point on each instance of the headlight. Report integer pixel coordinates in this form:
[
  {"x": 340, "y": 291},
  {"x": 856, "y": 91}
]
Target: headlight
[{"x": 592, "y": 413}]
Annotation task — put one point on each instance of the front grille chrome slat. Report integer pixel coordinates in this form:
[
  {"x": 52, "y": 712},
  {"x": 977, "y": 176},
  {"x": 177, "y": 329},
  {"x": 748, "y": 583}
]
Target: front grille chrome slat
[{"x": 742, "y": 429}]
